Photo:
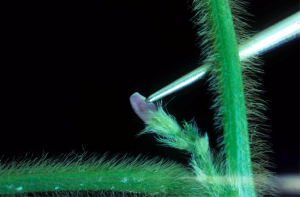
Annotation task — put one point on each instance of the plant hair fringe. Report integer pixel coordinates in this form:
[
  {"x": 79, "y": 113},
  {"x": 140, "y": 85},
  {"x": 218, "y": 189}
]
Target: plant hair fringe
[
  {"x": 94, "y": 175},
  {"x": 255, "y": 104}
]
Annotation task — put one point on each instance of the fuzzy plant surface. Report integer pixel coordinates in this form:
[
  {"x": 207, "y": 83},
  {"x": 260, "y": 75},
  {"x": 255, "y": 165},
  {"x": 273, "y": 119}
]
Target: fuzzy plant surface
[
  {"x": 239, "y": 169},
  {"x": 84, "y": 175}
]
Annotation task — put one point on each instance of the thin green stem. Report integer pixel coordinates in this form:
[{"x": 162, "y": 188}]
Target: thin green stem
[
  {"x": 78, "y": 176},
  {"x": 232, "y": 98}
]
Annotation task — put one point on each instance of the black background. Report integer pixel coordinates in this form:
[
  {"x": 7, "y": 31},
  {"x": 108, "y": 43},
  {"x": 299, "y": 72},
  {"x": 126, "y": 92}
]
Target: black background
[{"x": 70, "y": 68}]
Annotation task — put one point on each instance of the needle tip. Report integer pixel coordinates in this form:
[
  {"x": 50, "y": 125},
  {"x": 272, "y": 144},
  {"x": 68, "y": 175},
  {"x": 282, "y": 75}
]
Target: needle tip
[{"x": 147, "y": 100}]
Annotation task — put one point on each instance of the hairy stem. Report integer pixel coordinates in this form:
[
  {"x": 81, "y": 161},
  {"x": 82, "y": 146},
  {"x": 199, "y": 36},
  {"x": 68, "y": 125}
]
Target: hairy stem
[
  {"x": 232, "y": 98},
  {"x": 78, "y": 176}
]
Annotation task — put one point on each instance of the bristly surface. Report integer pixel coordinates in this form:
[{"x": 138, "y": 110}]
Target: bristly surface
[
  {"x": 82, "y": 175},
  {"x": 255, "y": 104},
  {"x": 207, "y": 167}
]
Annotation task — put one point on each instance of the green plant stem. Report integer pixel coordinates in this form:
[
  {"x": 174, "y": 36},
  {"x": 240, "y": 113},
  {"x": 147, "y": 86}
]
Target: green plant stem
[
  {"x": 232, "y": 99},
  {"x": 78, "y": 177},
  {"x": 87, "y": 181}
]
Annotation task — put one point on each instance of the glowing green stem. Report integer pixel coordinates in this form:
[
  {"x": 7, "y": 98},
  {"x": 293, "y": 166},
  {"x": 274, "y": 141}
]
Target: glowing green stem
[
  {"x": 150, "y": 177},
  {"x": 230, "y": 82}
]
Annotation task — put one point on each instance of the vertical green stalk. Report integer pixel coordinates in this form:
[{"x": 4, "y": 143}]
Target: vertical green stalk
[{"x": 232, "y": 98}]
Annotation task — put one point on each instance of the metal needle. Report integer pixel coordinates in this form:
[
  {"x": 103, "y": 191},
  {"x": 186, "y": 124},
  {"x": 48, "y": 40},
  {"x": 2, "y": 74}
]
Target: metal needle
[{"x": 268, "y": 39}]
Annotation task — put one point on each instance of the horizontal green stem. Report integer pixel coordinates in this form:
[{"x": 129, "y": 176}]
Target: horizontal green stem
[
  {"x": 85, "y": 181},
  {"x": 150, "y": 177}
]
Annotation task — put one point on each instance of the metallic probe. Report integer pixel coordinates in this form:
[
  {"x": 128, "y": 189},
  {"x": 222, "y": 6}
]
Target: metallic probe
[{"x": 266, "y": 40}]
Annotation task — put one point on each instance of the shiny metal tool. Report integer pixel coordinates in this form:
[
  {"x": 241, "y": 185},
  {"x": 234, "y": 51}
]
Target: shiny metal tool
[{"x": 266, "y": 40}]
